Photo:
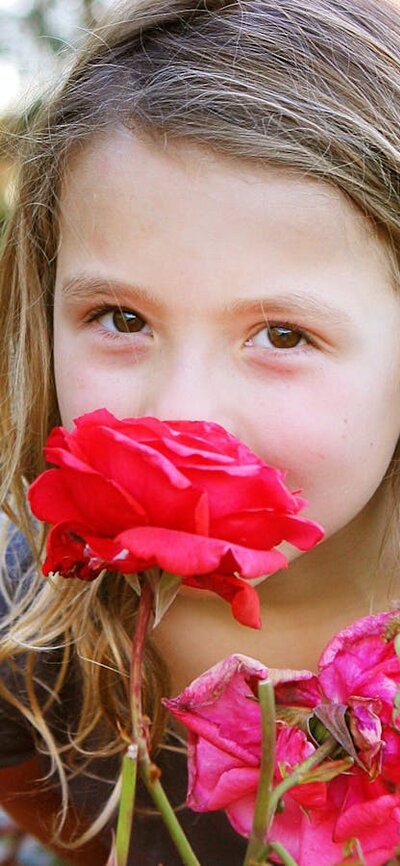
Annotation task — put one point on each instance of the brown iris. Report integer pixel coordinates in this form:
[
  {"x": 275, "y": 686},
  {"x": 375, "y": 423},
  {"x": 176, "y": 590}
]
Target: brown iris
[
  {"x": 284, "y": 338},
  {"x": 127, "y": 321}
]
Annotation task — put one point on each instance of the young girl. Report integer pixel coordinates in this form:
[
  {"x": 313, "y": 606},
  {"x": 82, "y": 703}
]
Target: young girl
[{"x": 207, "y": 226}]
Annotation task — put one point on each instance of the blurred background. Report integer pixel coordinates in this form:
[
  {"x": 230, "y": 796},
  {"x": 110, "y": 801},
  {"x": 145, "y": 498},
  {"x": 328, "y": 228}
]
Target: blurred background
[{"x": 37, "y": 40}]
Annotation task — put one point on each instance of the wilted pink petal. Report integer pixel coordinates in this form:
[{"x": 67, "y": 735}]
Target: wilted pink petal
[
  {"x": 296, "y": 688},
  {"x": 308, "y": 840},
  {"x": 307, "y": 835},
  {"x": 366, "y": 730},
  {"x": 222, "y": 716},
  {"x": 360, "y": 662},
  {"x": 218, "y": 697},
  {"x": 318, "y": 837},
  {"x": 291, "y": 749}
]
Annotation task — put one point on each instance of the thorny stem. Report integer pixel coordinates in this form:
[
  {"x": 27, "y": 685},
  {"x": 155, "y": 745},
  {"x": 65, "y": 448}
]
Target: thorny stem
[
  {"x": 129, "y": 765},
  {"x": 142, "y": 623}
]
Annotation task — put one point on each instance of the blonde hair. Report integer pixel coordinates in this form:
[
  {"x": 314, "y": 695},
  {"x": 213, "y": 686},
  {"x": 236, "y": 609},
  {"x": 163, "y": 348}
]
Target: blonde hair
[{"x": 312, "y": 87}]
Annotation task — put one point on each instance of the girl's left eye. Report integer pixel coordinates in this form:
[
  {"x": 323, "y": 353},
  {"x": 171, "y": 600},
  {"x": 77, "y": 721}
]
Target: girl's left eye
[{"x": 279, "y": 337}]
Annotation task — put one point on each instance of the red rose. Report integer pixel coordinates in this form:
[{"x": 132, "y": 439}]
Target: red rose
[{"x": 186, "y": 496}]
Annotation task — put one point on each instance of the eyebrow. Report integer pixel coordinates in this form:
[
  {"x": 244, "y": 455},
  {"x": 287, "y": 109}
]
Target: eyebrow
[{"x": 82, "y": 286}]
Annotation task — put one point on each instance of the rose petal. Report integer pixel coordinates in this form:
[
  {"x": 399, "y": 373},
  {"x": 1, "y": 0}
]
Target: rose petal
[{"x": 242, "y": 596}]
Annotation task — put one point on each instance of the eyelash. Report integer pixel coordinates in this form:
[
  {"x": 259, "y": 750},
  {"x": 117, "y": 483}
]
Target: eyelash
[{"x": 103, "y": 309}]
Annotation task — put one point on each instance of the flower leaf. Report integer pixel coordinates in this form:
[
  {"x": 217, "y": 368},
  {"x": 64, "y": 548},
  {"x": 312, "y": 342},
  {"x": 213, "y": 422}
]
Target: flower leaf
[
  {"x": 333, "y": 718},
  {"x": 134, "y": 582},
  {"x": 165, "y": 590},
  {"x": 327, "y": 771}
]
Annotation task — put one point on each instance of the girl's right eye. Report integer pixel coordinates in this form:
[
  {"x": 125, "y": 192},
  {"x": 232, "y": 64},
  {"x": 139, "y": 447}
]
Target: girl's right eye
[{"x": 118, "y": 320}]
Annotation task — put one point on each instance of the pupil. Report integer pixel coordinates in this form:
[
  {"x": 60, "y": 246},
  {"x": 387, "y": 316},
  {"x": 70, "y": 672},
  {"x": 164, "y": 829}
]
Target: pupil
[
  {"x": 125, "y": 320},
  {"x": 284, "y": 338}
]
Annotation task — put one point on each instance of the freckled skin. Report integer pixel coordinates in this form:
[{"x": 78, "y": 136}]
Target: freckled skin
[{"x": 200, "y": 232}]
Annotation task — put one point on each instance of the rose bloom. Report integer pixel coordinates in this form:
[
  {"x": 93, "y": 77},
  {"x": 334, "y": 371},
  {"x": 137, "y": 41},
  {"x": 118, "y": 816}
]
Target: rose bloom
[
  {"x": 185, "y": 496},
  {"x": 359, "y": 672}
]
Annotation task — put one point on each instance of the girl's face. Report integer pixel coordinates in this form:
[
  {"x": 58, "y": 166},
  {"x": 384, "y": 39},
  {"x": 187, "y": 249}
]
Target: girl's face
[{"x": 189, "y": 286}]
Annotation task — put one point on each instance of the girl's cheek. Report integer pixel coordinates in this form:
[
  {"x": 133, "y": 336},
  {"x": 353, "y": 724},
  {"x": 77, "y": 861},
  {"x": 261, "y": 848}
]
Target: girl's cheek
[
  {"x": 324, "y": 447},
  {"x": 81, "y": 388}
]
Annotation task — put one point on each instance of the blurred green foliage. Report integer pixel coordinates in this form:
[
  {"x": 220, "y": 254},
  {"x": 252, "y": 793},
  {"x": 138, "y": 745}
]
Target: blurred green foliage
[{"x": 40, "y": 22}]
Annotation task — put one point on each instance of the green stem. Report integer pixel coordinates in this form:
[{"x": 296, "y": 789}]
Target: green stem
[
  {"x": 256, "y": 845},
  {"x": 295, "y": 778},
  {"x": 303, "y": 769},
  {"x": 287, "y": 860},
  {"x": 150, "y": 775},
  {"x": 126, "y": 806},
  {"x": 268, "y": 797}
]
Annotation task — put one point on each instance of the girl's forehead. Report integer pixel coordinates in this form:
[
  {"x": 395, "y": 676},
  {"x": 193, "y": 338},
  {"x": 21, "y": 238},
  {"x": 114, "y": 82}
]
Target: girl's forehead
[
  {"x": 128, "y": 165},
  {"x": 128, "y": 199}
]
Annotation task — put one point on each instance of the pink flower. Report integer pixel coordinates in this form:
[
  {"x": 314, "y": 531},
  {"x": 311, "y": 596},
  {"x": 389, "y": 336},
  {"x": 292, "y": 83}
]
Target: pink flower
[
  {"x": 224, "y": 740},
  {"x": 353, "y": 697},
  {"x": 185, "y": 496},
  {"x": 222, "y": 716},
  {"x": 360, "y": 671}
]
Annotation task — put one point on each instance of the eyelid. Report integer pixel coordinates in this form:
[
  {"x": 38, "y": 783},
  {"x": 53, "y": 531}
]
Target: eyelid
[
  {"x": 102, "y": 309},
  {"x": 291, "y": 326}
]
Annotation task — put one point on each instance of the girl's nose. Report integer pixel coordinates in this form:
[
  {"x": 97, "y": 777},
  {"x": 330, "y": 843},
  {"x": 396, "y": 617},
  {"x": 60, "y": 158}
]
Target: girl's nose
[{"x": 189, "y": 392}]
